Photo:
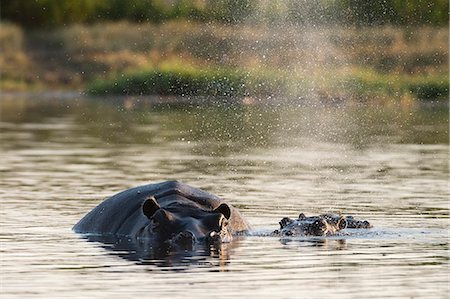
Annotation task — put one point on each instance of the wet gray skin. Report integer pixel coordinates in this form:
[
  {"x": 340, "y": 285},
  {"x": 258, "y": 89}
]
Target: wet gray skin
[
  {"x": 175, "y": 215},
  {"x": 169, "y": 214},
  {"x": 181, "y": 224},
  {"x": 322, "y": 225}
]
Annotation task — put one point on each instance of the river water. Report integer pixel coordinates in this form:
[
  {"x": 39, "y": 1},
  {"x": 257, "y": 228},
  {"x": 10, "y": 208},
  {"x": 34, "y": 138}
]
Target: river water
[{"x": 385, "y": 163}]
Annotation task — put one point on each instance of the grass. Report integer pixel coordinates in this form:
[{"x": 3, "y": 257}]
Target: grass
[
  {"x": 187, "y": 80},
  {"x": 178, "y": 81},
  {"x": 187, "y": 58},
  {"x": 423, "y": 87}
]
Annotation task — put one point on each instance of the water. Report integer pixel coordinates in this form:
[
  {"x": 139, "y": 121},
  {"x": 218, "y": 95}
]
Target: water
[{"x": 387, "y": 164}]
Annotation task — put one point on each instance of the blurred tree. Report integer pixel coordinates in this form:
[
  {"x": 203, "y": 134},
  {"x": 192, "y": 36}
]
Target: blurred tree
[
  {"x": 399, "y": 12},
  {"x": 421, "y": 11},
  {"x": 33, "y": 13},
  {"x": 133, "y": 10},
  {"x": 230, "y": 11},
  {"x": 362, "y": 12},
  {"x": 310, "y": 12}
]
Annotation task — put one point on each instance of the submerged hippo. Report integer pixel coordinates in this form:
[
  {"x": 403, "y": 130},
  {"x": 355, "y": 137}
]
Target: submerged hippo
[
  {"x": 177, "y": 215},
  {"x": 322, "y": 225},
  {"x": 169, "y": 213}
]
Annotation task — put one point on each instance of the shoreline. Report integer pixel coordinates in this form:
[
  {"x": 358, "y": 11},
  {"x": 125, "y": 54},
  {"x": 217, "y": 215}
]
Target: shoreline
[
  {"x": 131, "y": 102},
  {"x": 186, "y": 58}
]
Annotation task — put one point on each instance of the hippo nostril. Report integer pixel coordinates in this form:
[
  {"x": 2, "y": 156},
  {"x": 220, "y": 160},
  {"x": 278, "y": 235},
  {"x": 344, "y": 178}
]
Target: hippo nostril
[
  {"x": 213, "y": 238},
  {"x": 366, "y": 224},
  {"x": 185, "y": 238},
  {"x": 319, "y": 227}
]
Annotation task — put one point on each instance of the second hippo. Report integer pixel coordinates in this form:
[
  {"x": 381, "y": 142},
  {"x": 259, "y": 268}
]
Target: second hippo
[{"x": 322, "y": 225}]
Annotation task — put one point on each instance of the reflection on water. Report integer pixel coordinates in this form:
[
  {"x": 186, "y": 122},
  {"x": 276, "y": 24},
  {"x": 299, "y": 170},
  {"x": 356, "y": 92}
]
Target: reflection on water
[
  {"x": 388, "y": 165},
  {"x": 142, "y": 253}
]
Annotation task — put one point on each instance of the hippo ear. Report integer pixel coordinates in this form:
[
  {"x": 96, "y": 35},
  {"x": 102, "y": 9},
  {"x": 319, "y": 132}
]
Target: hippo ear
[
  {"x": 150, "y": 206},
  {"x": 224, "y": 209}
]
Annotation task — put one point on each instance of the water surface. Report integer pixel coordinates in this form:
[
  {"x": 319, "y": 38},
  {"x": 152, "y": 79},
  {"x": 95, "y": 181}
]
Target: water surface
[{"x": 387, "y": 164}]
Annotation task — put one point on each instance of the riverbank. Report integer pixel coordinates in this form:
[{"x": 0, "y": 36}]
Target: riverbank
[
  {"x": 191, "y": 59},
  {"x": 192, "y": 81}
]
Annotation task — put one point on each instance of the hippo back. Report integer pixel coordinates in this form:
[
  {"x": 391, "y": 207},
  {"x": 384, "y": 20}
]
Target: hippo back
[{"x": 122, "y": 214}]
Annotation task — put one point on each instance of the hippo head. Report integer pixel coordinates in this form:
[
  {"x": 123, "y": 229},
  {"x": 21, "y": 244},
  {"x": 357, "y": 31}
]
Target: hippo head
[
  {"x": 354, "y": 223},
  {"x": 182, "y": 225},
  {"x": 322, "y": 225}
]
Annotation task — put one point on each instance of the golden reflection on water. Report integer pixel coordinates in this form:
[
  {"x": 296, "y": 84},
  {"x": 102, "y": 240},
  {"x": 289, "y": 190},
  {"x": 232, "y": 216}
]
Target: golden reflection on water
[{"x": 60, "y": 158}]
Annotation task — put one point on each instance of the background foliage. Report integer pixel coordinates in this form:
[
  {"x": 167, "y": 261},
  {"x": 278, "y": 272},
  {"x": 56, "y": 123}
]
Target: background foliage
[{"x": 46, "y": 13}]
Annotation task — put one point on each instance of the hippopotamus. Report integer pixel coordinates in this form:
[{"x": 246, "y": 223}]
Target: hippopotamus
[
  {"x": 322, "y": 225},
  {"x": 174, "y": 215},
  {"x": 169, "y": 213}
]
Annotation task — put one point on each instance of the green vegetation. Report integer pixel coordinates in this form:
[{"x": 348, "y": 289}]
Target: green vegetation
[
  {"x": 51, "y": 13},
  {"x": 217, "y": 82},
  {"x": 188, "y": 81},
  {"x": 421, "y": 87},
  {"x": 320, "y": 49},
  {"x": 54, "y": 13},
  {"x": 185, "y": 58}
]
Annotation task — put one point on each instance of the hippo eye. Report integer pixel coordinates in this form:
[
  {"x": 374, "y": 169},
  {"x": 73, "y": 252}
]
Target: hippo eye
[
  {"x": 223, "y": 222},
  {"x": 162, "y": 216},
  {"x": 320, "y": 224},
  {"x": 342, "y": 223},
  {"x": 214, "y": 221},
  {"x": 288, "y": 233}
]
